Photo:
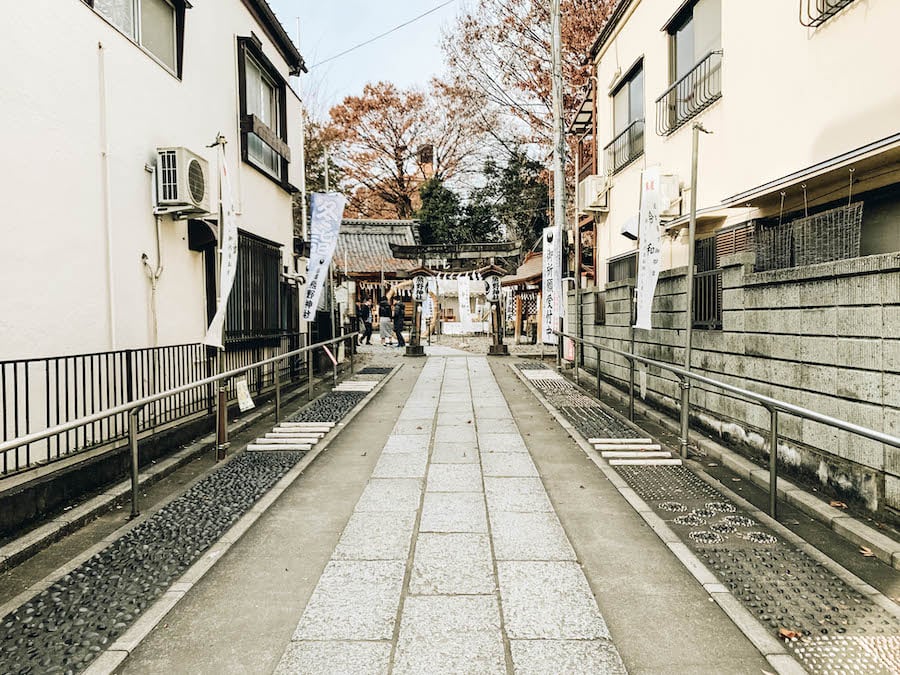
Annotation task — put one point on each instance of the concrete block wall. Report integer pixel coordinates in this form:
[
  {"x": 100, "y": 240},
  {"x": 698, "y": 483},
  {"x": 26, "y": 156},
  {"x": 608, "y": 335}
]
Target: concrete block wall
[{"x": 825, "y": 337}]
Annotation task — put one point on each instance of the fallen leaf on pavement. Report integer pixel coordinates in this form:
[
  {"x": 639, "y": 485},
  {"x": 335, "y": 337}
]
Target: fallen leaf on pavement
[
  {"x": 867, "y": 552},
  {"x": 788, "y": 634},
  {"x": 836, "y": 504}
]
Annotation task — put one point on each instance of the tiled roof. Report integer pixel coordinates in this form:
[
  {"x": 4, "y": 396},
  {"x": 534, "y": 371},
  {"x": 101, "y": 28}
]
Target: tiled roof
[
  {"x": 529, "y": 272},
  {"x": 364, "y": 245}
]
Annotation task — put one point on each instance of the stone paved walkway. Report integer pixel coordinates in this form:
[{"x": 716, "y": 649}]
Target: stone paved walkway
[{"x": 454, "y": 559}]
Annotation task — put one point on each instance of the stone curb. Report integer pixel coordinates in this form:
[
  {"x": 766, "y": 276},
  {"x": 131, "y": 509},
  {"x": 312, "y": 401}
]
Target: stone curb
[
  {"x": 118, "y": 651},
  {"x": 885, "y": 548},
  {"x": 22, "y": 548},
  {"x": 769, "y": 646}
]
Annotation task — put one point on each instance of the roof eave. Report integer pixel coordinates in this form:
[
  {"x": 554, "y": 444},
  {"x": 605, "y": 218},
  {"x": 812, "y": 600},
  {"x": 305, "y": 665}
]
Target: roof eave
[{"x": 266, "y": 18}]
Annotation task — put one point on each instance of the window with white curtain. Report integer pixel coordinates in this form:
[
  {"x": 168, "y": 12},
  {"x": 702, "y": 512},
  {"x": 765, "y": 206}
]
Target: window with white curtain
[
  {"x": 152, "y": 24},
  {"x": 263, "y": 114}
]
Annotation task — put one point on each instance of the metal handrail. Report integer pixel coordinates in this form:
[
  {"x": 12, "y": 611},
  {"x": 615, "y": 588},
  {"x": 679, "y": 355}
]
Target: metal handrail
[
  {"x": 134, "y": 406},
  {"x": 668, "y": 116},
  {"x": 773, "y": 405},
  {"x": 630, "y": 146}
]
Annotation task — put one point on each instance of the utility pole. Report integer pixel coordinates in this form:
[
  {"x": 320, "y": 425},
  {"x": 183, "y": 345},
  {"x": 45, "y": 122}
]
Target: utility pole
[
  {"x": 689, "y": 311},
  {"x": 559, "y": 146}
]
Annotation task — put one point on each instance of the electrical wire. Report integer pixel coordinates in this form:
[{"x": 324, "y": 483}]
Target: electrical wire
[{"x": 385, "y": 34}]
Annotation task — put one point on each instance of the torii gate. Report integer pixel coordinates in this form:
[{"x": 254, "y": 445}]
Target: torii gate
[{"x": 463, "y": 259}]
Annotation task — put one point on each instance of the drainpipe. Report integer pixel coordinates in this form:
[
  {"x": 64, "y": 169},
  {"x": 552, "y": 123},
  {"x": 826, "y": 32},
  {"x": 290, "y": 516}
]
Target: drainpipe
[
  {"x": 107, "y": 196},
  {"x": 154, "y": 274}
]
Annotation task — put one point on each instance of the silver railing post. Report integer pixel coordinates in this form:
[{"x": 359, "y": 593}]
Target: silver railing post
[
  {"x": 309, "y": 375},
  {"x": 559, "y": 347},
  {"x": 133, "y": 446},
  {"x": 631, "y": 387},
  {"x": 352, "y": 342},
  {"x": 277, "y": 393},
  {"x": 685, "y": 414},
  {"x": 773, "y": 463},
  {"x": 597, "y": 349}
]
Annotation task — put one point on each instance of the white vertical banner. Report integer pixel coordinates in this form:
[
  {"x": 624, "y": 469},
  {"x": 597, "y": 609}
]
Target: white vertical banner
[
  {"x": 649, "y": 251},
  {"x": 325, "y": 225},
  {"x": 228, "y": 251},
  {"x": 465, "y": 304},
  {"x": 551, "y": 295}
]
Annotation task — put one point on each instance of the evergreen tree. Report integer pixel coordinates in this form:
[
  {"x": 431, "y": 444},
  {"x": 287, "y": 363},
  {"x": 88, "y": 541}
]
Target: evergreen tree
[{"x": 439, "y": 217}]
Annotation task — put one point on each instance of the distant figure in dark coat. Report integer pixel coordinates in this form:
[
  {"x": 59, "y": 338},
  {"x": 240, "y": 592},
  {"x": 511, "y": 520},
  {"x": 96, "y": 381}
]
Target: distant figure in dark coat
[
  {"x": 399, "y": 317},
  {"x": 365, "y": 315}
]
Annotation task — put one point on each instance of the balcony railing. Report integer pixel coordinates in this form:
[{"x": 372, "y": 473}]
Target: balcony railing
[
  {"x": 586, "y": 160},
  {"x": 626, "y": 147},
  {"x": 692, "y": 94},
  {"x": 814, "y": 13}
]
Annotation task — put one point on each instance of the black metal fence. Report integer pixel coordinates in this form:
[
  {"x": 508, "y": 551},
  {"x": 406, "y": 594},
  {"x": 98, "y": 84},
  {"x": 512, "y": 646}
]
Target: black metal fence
[
  {"x": 707, "y": 286},
  {"x": 43, "y": 392},
  {"x": 697, "y": 90},
  {"x": 814, "y": 13},
  {"x": 626, "y": 147}
]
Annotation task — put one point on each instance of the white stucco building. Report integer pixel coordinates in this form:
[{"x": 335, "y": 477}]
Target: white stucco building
[
  {"x": 97, "y": 87},
  {"x": 793, "y": 103}
]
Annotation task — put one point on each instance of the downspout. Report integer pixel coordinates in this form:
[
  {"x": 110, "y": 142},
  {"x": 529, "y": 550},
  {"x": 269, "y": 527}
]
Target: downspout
[
  {"x": 154, "y": 274},
  {"x": 107, "y": 196}
]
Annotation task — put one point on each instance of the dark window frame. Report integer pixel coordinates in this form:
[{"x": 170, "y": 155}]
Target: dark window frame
[
  {"x": 180, "y": 7},
  {"x": 250, "y": 124},
  {"x": 254, "y": 313},
  {"x": 626, "y": 261}
]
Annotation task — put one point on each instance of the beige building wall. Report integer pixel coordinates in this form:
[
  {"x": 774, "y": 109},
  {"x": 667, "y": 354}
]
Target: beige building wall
[
  {"x": 791, "y": 97},
  {"x": 56, "y": 296}
]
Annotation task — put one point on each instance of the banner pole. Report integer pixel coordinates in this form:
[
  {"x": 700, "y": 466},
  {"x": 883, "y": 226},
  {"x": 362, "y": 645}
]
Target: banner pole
[{"x": 221, "y": 398}]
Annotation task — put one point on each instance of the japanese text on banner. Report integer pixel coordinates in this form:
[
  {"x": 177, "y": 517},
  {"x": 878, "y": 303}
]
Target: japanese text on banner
[
  {"x": 649, "y": 252},
  {"x": 327, "y": 212},
  {"x": 228, "y": 231},
  {"x": 551, "y": 300}
]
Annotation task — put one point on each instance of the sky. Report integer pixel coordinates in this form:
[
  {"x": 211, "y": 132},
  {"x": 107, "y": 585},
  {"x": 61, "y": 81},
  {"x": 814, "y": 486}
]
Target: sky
[{"x": 407, "y": 57}]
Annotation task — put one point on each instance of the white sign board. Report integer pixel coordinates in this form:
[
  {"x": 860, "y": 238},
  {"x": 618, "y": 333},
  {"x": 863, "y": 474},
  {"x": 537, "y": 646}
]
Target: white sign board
[
  {"x": 650, "y": 250},
  {"x": 419, "y": 289},
  {"x": 245, "y": 402},
  {"x": 465, "y": 303},
  {"x": 492, "y": 289},
  {"x": 551, "y": 297}
]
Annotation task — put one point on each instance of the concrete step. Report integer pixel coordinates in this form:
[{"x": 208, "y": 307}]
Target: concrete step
[
  {"x": 645, "y": 462},
  {"x": 285, "y": 441},
  {"x": 619, "y": 440},
  {"x": 301, "y": 425},
  {"x": 287, "y": 434},
  {"x": 303, "y": 430},
  {"x": 646, "y": 447},
  {"x": 622, "y": 454},
  {"x": 268, "y": 447}
]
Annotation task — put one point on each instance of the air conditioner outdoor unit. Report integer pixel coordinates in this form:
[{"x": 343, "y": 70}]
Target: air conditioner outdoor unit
[
  {"x": 670, "y": 196},
  {"x": 182, "y": 181},
  {"x": 594, "y": 194}
]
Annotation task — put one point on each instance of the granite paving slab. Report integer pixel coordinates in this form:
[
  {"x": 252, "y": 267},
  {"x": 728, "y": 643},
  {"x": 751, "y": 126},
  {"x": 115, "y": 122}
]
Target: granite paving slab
[
  {"x": 450, "y": 634},
  {"x": 573, "y": 657},
  {"x": 452, "y": 564},
  {"x": 516, "y": 494},
  {"x": 548, "y": 600},
  {"x": 453, "y": 512},
  {"x": 454, "y": 453},
  {"x": 456, "y": 433},
  {"x": 391, "y": 494},
  {"x": 516, "y": 464},
  {"x": 412, "y": 428},
  {"x": 403, "y": 444},
  {"x": 335, "y": 658},
  {"x": 499, "y": 442},
  {"x": 401, "y": 465},
  {"x": 454, "y": 478},
  {"x": 354, "y": 600},
  {"x": 529, "y": 536},
  {"x": 383, "y": 535}
]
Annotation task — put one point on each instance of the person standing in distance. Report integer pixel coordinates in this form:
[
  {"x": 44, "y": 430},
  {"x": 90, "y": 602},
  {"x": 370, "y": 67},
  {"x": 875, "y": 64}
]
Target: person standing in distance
[
  {"x": 399, "y": 318},
  {"x": 365, "y": 315},
  {"x": 384, "y": 322}
]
